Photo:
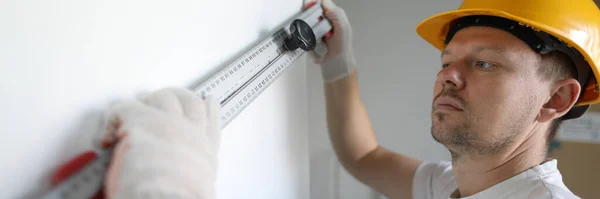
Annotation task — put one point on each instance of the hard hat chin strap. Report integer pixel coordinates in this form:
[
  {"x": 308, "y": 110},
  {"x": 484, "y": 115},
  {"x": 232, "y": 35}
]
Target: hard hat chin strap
[{"x": 538, "y": 41}]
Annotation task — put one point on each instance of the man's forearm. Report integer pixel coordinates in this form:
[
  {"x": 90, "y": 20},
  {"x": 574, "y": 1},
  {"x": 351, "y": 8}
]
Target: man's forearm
[
  {"x": 350, "y": 129},
  {"x": 356, "y": 146}
]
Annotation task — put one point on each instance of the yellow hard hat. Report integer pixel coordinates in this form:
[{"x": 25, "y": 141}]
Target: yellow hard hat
[{"x": 574, "y": 27}]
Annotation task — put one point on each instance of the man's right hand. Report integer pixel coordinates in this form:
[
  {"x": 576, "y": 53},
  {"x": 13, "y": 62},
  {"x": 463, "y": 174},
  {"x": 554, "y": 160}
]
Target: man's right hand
[{"x": 339, "y": 60}]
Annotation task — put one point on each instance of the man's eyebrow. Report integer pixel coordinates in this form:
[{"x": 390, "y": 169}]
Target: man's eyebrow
[
  {"x": 478, "y": 49},
  {"x": 497, "y": 49}
]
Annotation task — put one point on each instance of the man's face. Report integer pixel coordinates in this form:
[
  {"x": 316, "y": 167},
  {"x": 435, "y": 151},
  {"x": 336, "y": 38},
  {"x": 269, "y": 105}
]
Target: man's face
[{"x": 486, "y": 92}]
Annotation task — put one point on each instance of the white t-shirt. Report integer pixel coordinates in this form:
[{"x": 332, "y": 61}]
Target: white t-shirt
[{"x": 434, "y": 180}]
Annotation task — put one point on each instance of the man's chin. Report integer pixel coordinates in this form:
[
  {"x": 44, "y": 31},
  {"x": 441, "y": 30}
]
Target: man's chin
[
  {"x": 445, "y": 131},
  {"x": 448, "y": 139},
  {"x": 440, "y": 134}
]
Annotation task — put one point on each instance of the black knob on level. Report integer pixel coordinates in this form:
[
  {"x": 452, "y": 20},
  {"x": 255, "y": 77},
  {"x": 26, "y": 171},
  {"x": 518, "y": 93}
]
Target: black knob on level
[{"x": 301, "y": 36}]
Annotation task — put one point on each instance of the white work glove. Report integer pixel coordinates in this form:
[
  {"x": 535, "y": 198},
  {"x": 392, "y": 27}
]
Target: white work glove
[
  {"x": 339, "y": 61},
  {"x": 166, "y": 146}
]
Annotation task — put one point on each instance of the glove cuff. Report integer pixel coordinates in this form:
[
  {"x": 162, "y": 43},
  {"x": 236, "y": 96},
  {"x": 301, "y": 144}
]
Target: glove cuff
[{"x": 338, "y": 67}]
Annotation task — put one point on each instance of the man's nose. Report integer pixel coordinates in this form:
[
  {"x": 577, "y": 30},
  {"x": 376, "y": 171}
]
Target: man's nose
[{"x": 452, "y": 76}]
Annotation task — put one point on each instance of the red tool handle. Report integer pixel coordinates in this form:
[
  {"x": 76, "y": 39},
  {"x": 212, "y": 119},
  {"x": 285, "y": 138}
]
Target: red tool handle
[{"x": 73, "y": 166}]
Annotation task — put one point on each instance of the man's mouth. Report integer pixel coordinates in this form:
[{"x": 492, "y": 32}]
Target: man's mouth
[{"x": 447, "y": 103}]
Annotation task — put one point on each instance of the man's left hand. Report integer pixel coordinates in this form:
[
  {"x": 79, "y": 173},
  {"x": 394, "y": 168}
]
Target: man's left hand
[{"x": 166, "y": 145}]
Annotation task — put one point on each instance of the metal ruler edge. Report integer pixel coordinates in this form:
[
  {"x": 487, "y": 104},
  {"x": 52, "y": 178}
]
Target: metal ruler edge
[{"x": 235, "y": 86}]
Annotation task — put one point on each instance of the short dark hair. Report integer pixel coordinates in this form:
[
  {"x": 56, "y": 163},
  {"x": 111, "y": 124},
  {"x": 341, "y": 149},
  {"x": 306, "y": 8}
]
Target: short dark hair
[{"x": 556, "y": 66}]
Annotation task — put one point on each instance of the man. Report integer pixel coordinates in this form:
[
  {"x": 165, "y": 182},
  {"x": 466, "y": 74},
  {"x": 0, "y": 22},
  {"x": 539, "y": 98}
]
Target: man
[{"x": 501, "y": 93}]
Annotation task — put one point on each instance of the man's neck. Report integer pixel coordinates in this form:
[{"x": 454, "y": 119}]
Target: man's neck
[{"x": 476, "y": 173}]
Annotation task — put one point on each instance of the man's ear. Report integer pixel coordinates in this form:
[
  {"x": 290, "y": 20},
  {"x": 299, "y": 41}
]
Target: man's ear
[{"x": 563, "y": 97}]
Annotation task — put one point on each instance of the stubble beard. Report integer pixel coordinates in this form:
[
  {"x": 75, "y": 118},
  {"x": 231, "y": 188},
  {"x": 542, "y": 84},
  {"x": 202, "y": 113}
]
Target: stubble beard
[{"x": 463, "y": 141}]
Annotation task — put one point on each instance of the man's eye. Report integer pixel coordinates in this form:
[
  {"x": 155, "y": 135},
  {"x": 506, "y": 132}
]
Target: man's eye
[
  {"x": 484, "y": 65},
  {"x": 445, "y": 65}
]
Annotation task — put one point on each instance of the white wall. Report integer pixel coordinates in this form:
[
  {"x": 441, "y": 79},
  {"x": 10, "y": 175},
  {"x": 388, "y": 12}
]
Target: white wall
[
  {"x": 397, "y": 70},
  {"x": 62, "y": 61}
]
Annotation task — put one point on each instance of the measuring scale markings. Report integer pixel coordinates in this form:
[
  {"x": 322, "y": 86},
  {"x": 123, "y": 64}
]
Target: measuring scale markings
[
  {"x": 235, "y": 86},
  {"x": 240, "y": 71}
]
